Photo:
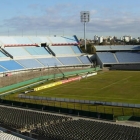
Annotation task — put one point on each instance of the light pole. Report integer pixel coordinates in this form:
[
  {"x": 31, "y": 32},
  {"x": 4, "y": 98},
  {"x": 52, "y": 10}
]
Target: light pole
[{"x": 85, "y": 17}]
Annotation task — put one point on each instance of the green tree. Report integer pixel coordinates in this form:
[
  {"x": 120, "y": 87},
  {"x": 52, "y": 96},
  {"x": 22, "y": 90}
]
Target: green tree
[{"x": 91, "y": 49}]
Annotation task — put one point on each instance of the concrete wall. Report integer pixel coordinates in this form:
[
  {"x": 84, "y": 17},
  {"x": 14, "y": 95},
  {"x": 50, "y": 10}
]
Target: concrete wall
[{"x": 23, "y": 76}]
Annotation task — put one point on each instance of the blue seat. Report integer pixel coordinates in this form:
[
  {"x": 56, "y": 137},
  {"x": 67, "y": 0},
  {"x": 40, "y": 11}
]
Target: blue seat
[
  {"x": 30, "y": 63},
  {"x": 49, "y": 62},
  {"x": 17, "y": 51},
  {"x": 2, "y": 69},
  {"x": 37, "y": 51},
  {"x": 128, "y": 57},
  {"x": 117, "y": 47},
  {"x": 76, "y": 49},
  {"x": 84, "y": 59},
  {"x": 11, "y": 65},
  {"x": 69, "y": 60},
  {"x": 106, "y": 57},
  {"x": 62, "y": 50}
]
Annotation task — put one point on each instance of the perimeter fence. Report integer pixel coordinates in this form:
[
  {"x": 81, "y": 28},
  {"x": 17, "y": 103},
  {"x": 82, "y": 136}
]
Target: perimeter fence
[{"x": 80, "y": 101}]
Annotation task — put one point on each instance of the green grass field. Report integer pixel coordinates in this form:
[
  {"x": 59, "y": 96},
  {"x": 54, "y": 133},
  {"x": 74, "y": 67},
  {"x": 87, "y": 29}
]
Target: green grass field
[{"x": 112, "y": 86}]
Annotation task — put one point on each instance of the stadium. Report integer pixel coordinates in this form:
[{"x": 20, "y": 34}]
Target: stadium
[{"x": 50, "y": 89}]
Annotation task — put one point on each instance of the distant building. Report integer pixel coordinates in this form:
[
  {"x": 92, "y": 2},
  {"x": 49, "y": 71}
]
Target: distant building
[
  {"x": 127, "y": 38},
  {"x": 100, "y": 39},
  {"x": 96, "y": 38}
]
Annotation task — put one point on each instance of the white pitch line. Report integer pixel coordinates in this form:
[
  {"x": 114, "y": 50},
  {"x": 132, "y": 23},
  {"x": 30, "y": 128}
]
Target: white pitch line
[{"x": 115, "y": 82}]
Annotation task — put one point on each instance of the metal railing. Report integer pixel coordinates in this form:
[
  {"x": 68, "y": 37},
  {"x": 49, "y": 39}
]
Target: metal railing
[{"x": 80, "y": 101}]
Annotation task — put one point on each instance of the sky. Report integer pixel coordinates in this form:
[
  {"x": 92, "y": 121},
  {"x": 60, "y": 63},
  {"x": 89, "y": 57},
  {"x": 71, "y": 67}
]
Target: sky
[{"x": 62, "y": 17}]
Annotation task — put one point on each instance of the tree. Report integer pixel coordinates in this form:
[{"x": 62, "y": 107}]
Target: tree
[{"x": 91, "y": 49}]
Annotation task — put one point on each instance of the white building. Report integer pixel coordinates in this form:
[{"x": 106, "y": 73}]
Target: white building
[
  {"x": 100, "y": 39},
  {"x": 127, "y": 38},
  {"x": 96, "y": 38}
]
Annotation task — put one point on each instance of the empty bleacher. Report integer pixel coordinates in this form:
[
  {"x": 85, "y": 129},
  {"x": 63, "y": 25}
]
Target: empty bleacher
[
  {"x": 24, "y": 119},
  {"x": 62, "y": 50},
  {"x": 30, "y": 63},
  {"x": 119, "y": 57},
  {"x": 106, "y": 57},
  {"x": 2, "y": 69},
  {"x": 17, "y": 51},
  {"x": 128, "y": 57},
  {"x": 117, "y": 48},
  {"x": 11, "y": 65},
  {"x": 110, "y": 55},
  {"x": 69, "y": 61},
  {"x": 43, "y": 125},
  {"x": 76, "y": 49},
  {"x": 84, "y": 60},
  {"x": 23, "y": 53},
  {"x": 87, "y": 130},
  {"x": 36, "y": 51},
  {"x": 49, "y": 62},
  {"x": 37, "y": 57}
]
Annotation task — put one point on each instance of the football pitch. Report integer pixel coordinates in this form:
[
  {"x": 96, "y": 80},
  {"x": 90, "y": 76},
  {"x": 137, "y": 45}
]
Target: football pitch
[{"x": 111, "y": 86}]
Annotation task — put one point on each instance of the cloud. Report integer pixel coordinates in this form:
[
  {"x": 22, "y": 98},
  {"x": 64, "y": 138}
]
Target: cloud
[{"x": 67, "y": 16}]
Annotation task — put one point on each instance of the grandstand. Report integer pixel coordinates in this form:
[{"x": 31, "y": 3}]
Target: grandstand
[
  {"x": 5, "y": 136},
  {"x": 88, "y": 130},
  {"x": 42, "y": 125},
  {"x": 118, "y": 57},
  {"x": 24, "y": 53}
]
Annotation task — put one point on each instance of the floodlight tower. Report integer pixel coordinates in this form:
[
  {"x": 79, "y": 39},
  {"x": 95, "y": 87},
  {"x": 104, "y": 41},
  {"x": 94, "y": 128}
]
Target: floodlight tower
[{"x": 85, "y": 17}]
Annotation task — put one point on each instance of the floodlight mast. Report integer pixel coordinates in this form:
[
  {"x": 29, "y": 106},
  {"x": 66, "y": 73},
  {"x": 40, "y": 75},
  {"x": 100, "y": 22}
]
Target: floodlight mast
[{"x": 85, "y": 17}]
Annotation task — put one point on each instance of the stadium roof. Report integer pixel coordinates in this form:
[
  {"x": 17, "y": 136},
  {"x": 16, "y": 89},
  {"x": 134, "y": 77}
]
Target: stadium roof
[{"x": 117, "y": 48}]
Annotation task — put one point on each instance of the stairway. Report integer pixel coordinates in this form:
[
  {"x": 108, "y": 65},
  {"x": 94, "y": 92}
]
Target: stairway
[{"x": 116, "y": 58}]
